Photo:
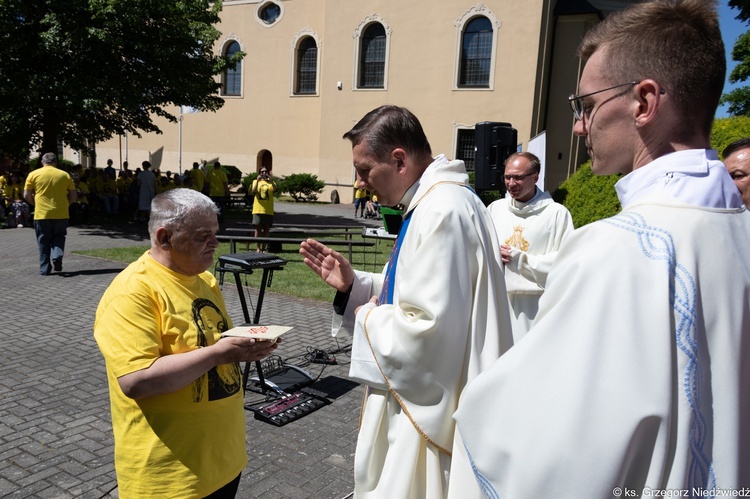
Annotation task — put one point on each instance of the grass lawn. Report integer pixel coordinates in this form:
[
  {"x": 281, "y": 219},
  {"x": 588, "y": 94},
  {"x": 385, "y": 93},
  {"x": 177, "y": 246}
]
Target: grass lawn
[{"x": 296, "y": 279}]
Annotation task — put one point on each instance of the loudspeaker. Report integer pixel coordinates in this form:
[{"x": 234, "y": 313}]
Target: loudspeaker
[{"x": 495, "y": 142}]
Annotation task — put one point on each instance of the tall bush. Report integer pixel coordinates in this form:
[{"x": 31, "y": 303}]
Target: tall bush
[
  {"x": 588, "y": 197},
  {"x": 302, "y": 186}
]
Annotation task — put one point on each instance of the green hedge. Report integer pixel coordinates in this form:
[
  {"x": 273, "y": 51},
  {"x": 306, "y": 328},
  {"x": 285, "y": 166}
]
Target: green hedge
[
  {"x": 588, "y": 197},
  {"x": 727, "y": 130}
]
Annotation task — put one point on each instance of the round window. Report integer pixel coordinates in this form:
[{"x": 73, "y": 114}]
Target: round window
[{"x": 270, "y": 13}]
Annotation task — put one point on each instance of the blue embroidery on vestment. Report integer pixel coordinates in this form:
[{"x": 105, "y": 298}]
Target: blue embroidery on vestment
[
  {"x": 657, "y": 244},
  {"x": 487, "y": 489},
  {"x": 386, "y": 292}
]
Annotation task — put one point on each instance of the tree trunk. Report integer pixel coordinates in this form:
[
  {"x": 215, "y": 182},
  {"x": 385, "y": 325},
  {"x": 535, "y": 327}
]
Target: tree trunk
[{"x": 49, "y": 131}]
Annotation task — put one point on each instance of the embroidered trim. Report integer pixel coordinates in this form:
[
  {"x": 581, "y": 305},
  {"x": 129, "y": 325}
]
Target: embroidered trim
[
  {"x": 485, "y": 484},
  {"x": 453, "y": 182},
  {"x": 657, "y": 244}
]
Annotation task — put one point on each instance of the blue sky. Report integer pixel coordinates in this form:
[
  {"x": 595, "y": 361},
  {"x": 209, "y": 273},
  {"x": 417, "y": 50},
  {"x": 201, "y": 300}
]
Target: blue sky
[{"x": 731, "y": 29}]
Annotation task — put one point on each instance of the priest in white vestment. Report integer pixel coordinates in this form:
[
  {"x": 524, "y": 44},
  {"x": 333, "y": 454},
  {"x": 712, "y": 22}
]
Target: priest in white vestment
[
  {"x": 429, "y": 324},
  {"x": 737, "y": 160},
  {"x": 531, "y": 228},
  {"x": 634, "y": 380}
]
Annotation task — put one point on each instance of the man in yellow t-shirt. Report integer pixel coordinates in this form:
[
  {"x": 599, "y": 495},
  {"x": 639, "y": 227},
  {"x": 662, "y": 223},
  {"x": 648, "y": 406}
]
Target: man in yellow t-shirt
[
  {"x": 218, "y": 188},
  {"x": 262, "y": 190},
  {"x": 360, "y": 199},
  {"x": 175, "y": 385},
  {"x": 198, "y": 177},
  {"x": 50, "y": 191}
]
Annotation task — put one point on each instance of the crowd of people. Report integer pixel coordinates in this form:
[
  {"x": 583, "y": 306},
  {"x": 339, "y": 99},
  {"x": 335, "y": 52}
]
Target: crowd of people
[{"x": 109, "y": 191}]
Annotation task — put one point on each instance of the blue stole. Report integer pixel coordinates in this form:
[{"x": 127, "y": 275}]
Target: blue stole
[{"x": 386, "y": 292}]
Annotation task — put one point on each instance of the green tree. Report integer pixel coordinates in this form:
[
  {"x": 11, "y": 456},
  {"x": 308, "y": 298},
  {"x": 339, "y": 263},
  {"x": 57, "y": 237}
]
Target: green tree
[
  {"x": 82, "y": 71},
  {"x": 727, "y": 130},
  {"x": 738, "y": 100}
]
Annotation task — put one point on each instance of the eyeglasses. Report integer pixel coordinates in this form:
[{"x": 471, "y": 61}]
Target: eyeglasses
[
  {"x": 517, "y": 178},
  {"x": 580, "y": 109}
]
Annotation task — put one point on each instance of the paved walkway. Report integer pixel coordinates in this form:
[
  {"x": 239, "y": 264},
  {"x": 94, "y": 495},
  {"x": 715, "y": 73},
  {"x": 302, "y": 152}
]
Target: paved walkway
[{"x": 55, "y": 427}]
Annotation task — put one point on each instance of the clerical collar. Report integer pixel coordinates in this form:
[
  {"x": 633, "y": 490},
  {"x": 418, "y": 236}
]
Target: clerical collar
[
  {"x": 694, "y": 177},
  {"x": 409, "y": 195}
]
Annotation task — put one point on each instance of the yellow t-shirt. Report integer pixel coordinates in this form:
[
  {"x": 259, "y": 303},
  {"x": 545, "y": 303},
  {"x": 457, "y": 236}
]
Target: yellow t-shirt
[
  {"x": 190, "y": 442},
  {"x": 83, "y": 197},
  {"x": 9, "y": 191},
  {"x": 216, "y": 180},
  {"x": 359, "y": 193},
  {"x": 50, "y": 186},
  {"x": 109, "y": 187},
  {"x": 263, "y": 201},
  {"x": 199, "y": 178},
  {"x": 123, "y": 185}
]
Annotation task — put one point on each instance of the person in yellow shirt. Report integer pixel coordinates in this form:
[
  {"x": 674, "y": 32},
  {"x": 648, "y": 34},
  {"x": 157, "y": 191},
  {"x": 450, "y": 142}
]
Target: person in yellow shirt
[
  {"x": 262, "y": 190},
  {"x": 360, "y": 200},
  {"x": 18, "y": 208},
  {"x": 108, "y": 194},
  {"x": 198, "y": 177},
  {"x": 50, "y": 190},
  {"x": 79, "y": 210},
  {"x": 175, "y": 384},
  {"x": 218, "y": 190}
]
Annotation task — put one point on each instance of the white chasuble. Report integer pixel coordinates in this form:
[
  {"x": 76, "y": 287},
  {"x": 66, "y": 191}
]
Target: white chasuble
[
  {"x": 634, "y": 380},
  {"x": 448, "y": 322},
  {"x": 535, "y": 231}
]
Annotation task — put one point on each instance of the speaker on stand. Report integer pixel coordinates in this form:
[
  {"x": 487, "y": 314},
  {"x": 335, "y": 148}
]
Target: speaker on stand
[{"x": 495, "y": 141}]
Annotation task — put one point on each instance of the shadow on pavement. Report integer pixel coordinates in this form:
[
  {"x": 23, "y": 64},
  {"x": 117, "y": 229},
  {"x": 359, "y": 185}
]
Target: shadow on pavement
[{"x": 90, "y": 272}]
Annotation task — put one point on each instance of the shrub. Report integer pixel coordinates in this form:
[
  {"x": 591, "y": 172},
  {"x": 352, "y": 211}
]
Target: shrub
[
  {"x": 302, "y": 186},
  {"x": 588, "y": 197},
  {"x": 62, "y": 164},
  {"x": 487, "y": 197}
]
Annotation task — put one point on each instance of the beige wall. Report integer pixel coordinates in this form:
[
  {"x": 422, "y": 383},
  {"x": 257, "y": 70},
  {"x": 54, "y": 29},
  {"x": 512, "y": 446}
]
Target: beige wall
[{"x": 303, "y": 133}]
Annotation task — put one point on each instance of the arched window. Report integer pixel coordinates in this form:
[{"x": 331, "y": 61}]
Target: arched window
[
  {"x": 307, "y": 66},
  {"x": 232, "y": 84},
  {"x": 372, "y": 57},
  {"x": 476, "y": 53}
]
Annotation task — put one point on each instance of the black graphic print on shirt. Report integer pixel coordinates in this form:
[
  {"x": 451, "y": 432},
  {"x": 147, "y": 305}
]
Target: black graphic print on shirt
[{"x": 223, "y": 380}]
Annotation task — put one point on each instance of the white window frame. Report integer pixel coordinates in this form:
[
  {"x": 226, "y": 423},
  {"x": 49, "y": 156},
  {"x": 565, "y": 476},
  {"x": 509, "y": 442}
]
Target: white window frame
[
  {"x": 460, "y": 24},
  {"x": 304, "y": 33},
  {"x": 232, "y": 38},
  {"x": 372, "y": 18}
]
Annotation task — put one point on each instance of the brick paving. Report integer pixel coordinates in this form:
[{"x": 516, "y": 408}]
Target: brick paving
[{"x": 55, "y": 427}]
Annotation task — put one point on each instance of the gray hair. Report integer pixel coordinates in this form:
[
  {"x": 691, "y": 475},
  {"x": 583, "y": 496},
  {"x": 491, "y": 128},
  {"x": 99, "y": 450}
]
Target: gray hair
[
  {"x": 49, "y": 158},
  {"x": 173, "y": 208}
]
